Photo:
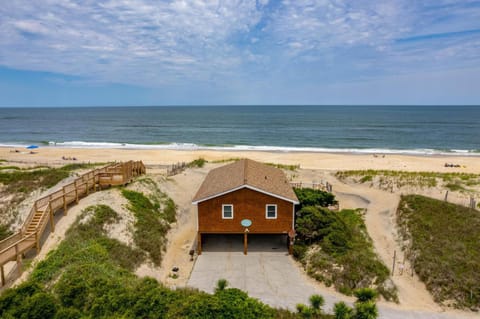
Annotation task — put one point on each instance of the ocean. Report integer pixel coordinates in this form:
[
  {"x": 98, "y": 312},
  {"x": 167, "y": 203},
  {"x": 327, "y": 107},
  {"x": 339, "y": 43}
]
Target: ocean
[{"x": 356, "y": 129}]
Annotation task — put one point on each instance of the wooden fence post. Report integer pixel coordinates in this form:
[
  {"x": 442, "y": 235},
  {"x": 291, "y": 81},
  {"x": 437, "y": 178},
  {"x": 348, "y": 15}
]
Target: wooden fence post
[{"x": 393, "y": 265}]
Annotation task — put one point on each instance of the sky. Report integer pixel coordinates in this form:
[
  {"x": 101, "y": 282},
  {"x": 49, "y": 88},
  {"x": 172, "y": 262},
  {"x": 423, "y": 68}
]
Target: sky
[{"x": 233, "y": 52}]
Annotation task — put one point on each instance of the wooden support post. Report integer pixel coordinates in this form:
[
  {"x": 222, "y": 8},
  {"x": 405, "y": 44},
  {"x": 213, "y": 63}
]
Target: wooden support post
[
  {"x": 37, "y": 242},
  {"x": 76, "y": 192},
  {"x": 2, "y": 275},
  {"x": 199, "y": 243},
  {"x": 245, "y": 243},
  {"x": 64, "y": 204},
  {"x": 19, "y": 260},
  {"x": 52, "y": 222}
]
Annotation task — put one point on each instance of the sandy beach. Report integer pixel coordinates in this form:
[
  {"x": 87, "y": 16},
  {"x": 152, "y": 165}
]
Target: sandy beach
[{"x": 324, "y": 161}]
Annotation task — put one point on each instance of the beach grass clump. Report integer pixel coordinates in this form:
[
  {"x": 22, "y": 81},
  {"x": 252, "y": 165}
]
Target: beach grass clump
[
  {"x": 199, "y": 162},
  {"x": 4, "y": 168},
  {"x": 90, "y": 275},
  {"x": 455, "y": 187},
  {"x": 334, "y": 248},
  {"x": 152, "y": 222},
  {"x": 442, "y": 242}
]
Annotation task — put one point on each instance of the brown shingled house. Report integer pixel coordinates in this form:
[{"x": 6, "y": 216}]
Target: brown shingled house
[{"x": 245, "y": 197}]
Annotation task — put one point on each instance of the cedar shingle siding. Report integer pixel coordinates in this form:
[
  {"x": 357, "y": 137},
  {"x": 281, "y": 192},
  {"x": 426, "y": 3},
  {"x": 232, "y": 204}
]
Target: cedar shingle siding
[{"x": 247, "y": 204}]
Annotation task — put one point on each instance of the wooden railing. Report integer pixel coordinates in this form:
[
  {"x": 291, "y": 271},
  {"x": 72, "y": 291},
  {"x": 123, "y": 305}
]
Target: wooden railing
[{"x": 12, "y": 248}]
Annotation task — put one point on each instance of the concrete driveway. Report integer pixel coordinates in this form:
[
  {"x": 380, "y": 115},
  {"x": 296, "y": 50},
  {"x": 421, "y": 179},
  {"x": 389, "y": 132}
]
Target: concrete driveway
[
  {"x": 266, "y": 273},
  {"x": 270, "y": 275}
]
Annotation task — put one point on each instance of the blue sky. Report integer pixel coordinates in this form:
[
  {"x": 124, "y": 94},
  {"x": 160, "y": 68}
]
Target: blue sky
[{"x": 140, "y": 52}]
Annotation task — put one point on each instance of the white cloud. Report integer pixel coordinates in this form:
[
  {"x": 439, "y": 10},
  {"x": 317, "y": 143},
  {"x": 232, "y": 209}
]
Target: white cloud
[{"x": 319, "y": 25}]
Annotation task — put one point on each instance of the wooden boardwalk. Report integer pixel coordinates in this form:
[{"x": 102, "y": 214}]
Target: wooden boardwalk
[{"x": 43, "y": 210}]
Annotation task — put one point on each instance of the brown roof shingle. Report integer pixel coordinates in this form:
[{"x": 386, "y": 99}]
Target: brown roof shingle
[{"x": 245, "y": 172}]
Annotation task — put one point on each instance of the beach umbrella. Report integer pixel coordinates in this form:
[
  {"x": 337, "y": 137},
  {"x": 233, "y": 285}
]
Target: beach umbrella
[{"x": 31, "y": 147}]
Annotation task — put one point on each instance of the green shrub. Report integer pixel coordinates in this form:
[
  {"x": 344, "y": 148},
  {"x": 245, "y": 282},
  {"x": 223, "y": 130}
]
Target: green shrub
[
  {"x": 314, "y": 197},
  {"x": 40, "y": 306},
  {"x": 299, "y": 250},
  {"x": 365, "y": 294},
  {"x": 221, "y": 285},
  {"x": 68, "y": 313},
  {"x": 342, "y": 311},
  {"x": 343, "y": 254}
]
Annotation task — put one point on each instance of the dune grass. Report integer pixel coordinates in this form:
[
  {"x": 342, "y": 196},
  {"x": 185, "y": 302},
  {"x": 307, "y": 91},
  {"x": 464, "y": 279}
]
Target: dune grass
[
  {"x": 152, "y": 221},
  {"x": 199, "y": 162},
  {"x": 4, "y": 232},
  {"x": 30, "y": 179},
  {"x": 389, "y": 178},
  {"x": 442, "y": 241}
]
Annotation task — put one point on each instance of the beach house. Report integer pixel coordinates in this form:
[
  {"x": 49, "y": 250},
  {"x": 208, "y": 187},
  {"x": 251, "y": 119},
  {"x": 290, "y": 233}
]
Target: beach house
[{"x": 245, "y": 197}]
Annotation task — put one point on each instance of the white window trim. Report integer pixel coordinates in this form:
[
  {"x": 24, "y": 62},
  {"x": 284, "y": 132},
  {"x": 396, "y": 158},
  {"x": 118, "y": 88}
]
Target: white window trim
[
  {"x": 223, "y": 211},
  {"x": 266, "y": 211}
]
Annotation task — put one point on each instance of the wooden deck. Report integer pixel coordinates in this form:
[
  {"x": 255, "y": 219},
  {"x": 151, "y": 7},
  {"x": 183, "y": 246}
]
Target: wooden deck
[{"x": 43, "y": 210}]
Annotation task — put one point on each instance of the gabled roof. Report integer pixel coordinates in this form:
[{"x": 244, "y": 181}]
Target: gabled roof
[{"x": 249, "y": 174}]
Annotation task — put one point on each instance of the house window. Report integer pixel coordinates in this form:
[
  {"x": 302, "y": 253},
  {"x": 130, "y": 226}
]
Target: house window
[
  {"x": 271, "y": 212},
  {"x": 227, "y": 211}
]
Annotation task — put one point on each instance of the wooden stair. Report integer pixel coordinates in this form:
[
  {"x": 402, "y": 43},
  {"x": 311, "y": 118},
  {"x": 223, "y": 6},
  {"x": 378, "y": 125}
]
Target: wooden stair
[{"x": 13, "y": 247}]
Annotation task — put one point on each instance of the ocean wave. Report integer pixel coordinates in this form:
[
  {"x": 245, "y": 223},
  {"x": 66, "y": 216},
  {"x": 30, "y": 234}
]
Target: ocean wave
[{"x": 245, "y": 148}]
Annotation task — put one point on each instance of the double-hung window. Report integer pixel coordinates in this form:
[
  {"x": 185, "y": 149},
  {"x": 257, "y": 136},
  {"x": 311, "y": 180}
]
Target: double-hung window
[
  {"x": 271, "y": 211},
  {"x": 227, "y": 211}
]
